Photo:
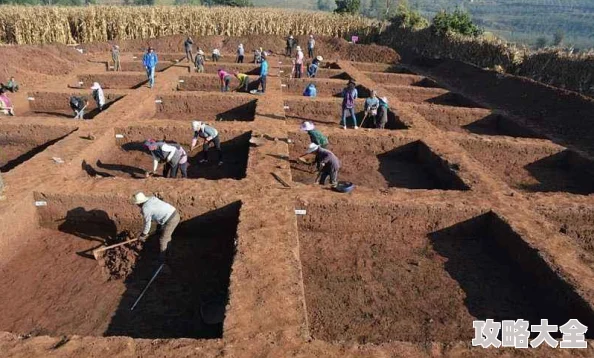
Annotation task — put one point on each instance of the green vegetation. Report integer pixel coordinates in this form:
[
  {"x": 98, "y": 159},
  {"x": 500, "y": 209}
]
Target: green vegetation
[
  {"x": 350, "y": 7},
  {"x": 458, "y": 22},
  {"x": 407, "y": 18}
]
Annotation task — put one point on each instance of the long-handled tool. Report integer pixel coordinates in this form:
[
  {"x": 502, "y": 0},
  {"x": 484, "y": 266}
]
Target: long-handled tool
[
  {"x": 147, "y": 286},
  {"x": 96, "y": 252},
  {"x": 363, "y": 121},
  {"x": 79, "y": 112},
  {"x": 318, "y": 177}
]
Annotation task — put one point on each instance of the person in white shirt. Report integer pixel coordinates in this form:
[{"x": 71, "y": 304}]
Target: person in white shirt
[
  {"x": 98, "y": 95},
  {"x": 299, "y": 63},
  {"x": 164, "y": 214},
  {"x": 172, "y": 154}
]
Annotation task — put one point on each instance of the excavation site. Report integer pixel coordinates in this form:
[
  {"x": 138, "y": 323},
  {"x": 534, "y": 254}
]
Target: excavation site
[{"x": 174, "y": 217}]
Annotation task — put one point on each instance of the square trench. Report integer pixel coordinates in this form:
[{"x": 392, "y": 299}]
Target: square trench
[
  {"x": 473, "y": 120},
  {"x": 575, "y": 221},
  {"x": 533, "y": 167},
  {"x": 126, "y": 156},
  {"x": 377, "y": 273},
  {"x": 400, "y": 79},
  {"x": 56, "y": 104},
  {"x": 325, "y": 87},
  {"x": 379, "y": 163},
  {"x": 205, "y": 82},
  {"x": 113, "y": 80},
  {"x": 208, "y": 107},
  {"x": 328, "y": 112},
  {"x": 137, "y": 66},
  {"x": 21, "y": 142},
  {"x": 68, "y": 292},
  {"x": 381, "y": 67},
  {"x": 413, "y": 94}
]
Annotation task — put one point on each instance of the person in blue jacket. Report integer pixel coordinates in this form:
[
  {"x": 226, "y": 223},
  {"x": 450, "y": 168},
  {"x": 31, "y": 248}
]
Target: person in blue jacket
[
  {"x": 149, "y": 60},
  {"x": 263, "y": 72},
  {"x": 310, "y": 90}
]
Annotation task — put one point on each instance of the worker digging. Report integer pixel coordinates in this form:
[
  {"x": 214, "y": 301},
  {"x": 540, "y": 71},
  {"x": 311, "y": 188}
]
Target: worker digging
[
  {"x": 244, "y": 82},
  {"x": 78, "y": 104},
  {"x": 224, "y": 79},
  {"x": 210, "y": 136},
  {"x": 172, "y": 155},
  {"x": 327, "y": 164}
]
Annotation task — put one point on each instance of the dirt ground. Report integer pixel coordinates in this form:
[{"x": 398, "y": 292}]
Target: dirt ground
[{"x": 474, "y": 203}]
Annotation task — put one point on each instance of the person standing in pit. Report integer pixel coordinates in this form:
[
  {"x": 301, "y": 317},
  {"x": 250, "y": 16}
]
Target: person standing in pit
[
  {"x": 150, "y": 60},
  {"x": 311, "y": 43},
  {"x": 327, "y": 164},
  {"x": 225, "y": 79},
  {"x": 188, "y": 47},
  {"x": 98, "y": 95},
  {"x": 349, "y": 95},
  {"x": 210, "y": 135},
  {"x": 263, "y": 72},
  {"x": 290, "y": 45},
  {"x": 164, "y": 214},
  {"x": 216, "y": 55},
  {"x": 299, "y": 62},
  {"x": 240, "y": 53},
  {"x": 12, "y": 85},
  {"x": 199, "y": 61},
  {"x": 312, "y": 70},
  {"x": 371, "y": 107},
  {"x": 78, "y": 105},
  {"x": 173, "y": 155},
  {"x": 315, "y": 136},
  {"x": 382, "y": 113},
  {"x": 115, "y": 56},
  {"x": 244, "y": 82}
]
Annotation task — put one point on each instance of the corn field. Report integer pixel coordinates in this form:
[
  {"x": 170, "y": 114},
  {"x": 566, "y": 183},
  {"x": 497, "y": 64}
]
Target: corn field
[{"x": 69, "y": 25}]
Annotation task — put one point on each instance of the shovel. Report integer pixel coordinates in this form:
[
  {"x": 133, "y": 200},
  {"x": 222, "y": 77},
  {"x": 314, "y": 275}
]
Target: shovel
[{"x": 97, "y": 252}]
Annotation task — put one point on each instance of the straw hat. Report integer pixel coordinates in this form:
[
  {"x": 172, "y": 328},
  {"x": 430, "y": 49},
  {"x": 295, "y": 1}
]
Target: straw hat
[
  {"x": 319, "y": 58},
  {"x": 312, "y": 147},
  {"x": 298, "y": 48},
  {"x": 307, "y": 126},
  {"x": 196, "y": 125},
  {"x": 200, "y": 52},
  {"x": 95, "y": 86},
  {"x": 139, "y": 198},
  {"x": 384, "y": 99}
]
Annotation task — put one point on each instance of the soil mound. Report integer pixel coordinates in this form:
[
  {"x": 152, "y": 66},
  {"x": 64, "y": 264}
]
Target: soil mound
[{"x": 118, "y": 263}]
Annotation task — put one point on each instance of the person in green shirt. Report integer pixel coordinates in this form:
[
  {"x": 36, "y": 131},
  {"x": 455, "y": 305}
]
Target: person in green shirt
[
  {"x": 315, "y": 135},
  {"x": 12, "y": 85},
  {"x": 244, "y": 81}
]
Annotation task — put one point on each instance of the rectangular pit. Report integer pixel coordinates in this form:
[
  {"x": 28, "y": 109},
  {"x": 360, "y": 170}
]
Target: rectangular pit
[
  {"x": 379, "y": 163},
  {"x": 206, "y": 107},
  {"x": 250, "y": 69},
  {"x": 74, "y": 295},
  {"x": 329, "y": 73},
  {"x": 328, "y": 112},
  {"x": 56, "y": 104},
  {"x": 398, "y": 79},
  {"x": 113, "y": 80},
  {"x": 19, "y": 143},
  {"x": 534, "y": 167},
  {"x": 382, "y": 67},
  {"x": 473, "y": 120},
  {"x": 325, "y": 87},
  {"x": 377, "y": 273},
  {"x": 137, "y": 66},
  {"x": 431, "y": 95},
  {"x": 128, "y": 158},
  {"x": 575, "y": 221},
  {"x": 163, "y": 57},
  {"x": 211, "y": 83}
]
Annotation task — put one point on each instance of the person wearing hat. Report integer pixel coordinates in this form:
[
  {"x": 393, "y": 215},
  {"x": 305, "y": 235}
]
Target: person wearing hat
[
  {"x": 312, "y": 70},
  {"x": 240, "y": 53},
  {"x": 172, "y": 154},
  {"x": 115, "y": 56},
  {"x": 216, "y": 55},
  {"x": 199, "y": 61},
  {"x": 164, "y": 214},
  {"x": 210, "y": 135},
  {"x": 290, "y": 45},
  {"x": 382, "y": 113},
  {"x": 188, "y": 47},
  {"x": 310, "y": 90},
  {"x": 244, "y": 81},
  {"x": 299, "y": 62},
  {"x": 98, "y": 95},
  {"x": 327, "y": 164},
  {"x": 150, "y": 60},
  {"x": 315, "y": 136},
  {"x": 349, "y": 95},
  {"x": 311, "y": 43},
  {"x": 263, "y": 72}
]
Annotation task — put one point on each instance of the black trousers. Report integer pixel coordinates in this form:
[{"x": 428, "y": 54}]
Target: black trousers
[{"x": 217, "y": 144}]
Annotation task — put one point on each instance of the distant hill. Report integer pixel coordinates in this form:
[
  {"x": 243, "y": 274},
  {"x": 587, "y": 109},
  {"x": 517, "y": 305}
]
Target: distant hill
[{"x": 514, "y": 20}]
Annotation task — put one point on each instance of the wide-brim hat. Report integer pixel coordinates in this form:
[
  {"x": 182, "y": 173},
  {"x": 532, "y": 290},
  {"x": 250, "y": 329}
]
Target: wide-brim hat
[
  {"x": 312, "y": 148},
  {"x": 139, "y": 198},
  {"x": 298, "y": 48},
  {"x": 384, "y": 99},
  {"x": 201, "y": 52},
  {"x": 196, "y": 125},
  {"x": 307, "y": 126},
  {"x": 319, "y": 58}
]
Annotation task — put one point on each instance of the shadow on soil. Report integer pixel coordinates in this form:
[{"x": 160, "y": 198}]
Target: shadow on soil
[
  {"x": 393, "y": 123},
  {"x": 415, "y": 166},
  {"x": 496, "y": 124},
  {"x": 90, "y": 225},
  {"x": 453, "y": 99},
  {"x": 503, "y": 277},
  {"x": 200, "y": 259},
  {"x": 11, "y": 164}
]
